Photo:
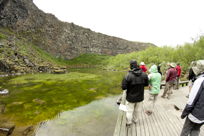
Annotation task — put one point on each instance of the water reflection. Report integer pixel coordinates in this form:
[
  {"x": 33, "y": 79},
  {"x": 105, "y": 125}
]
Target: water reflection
[{"x": 95, "y": 119}]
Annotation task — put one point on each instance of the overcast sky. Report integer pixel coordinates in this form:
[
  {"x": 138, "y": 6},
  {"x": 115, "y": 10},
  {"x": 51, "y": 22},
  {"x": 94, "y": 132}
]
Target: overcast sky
[{"x": 162, "y": 22}]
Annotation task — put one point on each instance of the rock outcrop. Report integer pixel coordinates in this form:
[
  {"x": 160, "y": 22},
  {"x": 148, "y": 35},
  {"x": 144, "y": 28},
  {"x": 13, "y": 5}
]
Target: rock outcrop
[{"x": 61, "y": 39}]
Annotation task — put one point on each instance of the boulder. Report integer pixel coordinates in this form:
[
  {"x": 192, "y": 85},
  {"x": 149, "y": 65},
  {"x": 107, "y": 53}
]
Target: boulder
[
  {"x": 43, "y": 68},
  {"x": 28, "y": 63},
  {"x": 4, "y": 67},
  {"x": 1, "y": 45},
  {"x": 39, "y": 101},
  {"x": 58, "y": 70},
  {"x": 28, "y": 131}
]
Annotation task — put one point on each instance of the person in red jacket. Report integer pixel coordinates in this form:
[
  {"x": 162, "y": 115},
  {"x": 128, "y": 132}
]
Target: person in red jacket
[
  {"x": 143, "y": 67},
  {"x": 170, "y": 80},
  {"x": 178, "y": 69}
]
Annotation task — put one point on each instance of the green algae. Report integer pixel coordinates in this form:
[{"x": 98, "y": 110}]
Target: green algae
[{"x": 38, "y": 97}]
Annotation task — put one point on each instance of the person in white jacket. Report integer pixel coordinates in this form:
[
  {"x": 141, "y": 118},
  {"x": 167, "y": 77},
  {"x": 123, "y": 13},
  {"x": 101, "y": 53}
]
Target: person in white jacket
[{"x": 194, "y": 110}]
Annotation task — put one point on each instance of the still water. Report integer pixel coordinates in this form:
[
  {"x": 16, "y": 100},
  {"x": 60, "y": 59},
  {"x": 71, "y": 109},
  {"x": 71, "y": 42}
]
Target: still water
[
  {"x": 81, "y": 102},
  {"x": 95, "y": 119}
]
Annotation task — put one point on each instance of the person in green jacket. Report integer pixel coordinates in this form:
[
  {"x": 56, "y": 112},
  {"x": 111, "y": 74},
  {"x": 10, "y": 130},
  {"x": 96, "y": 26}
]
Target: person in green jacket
[{"x": 154, "y": 87}]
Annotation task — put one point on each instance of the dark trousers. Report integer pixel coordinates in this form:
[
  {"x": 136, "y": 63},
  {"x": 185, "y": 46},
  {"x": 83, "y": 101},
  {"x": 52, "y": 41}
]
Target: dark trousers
[
  {"x": 177, "y": 83},
  {"x": 190, "y": 128}
]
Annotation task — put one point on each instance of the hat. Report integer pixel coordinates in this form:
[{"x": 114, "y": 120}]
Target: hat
[
  {"x": 198, "y": 68},
  {"x": 133, "y": 64},
  {"x": 173, "y": 65},
  {"x": 193, "y": 63},
  {"x": 142, "y": 63}
]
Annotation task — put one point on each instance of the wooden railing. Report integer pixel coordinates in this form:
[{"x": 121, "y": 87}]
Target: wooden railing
[{"x": 182, "y": 83}]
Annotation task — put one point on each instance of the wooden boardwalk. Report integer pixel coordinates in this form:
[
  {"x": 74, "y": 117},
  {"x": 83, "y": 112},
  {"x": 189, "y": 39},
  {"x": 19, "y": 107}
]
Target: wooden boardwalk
[{"x": 165, "y": 121}]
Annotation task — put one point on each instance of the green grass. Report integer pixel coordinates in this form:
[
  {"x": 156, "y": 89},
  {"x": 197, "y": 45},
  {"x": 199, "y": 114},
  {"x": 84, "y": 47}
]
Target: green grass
[
  {"x": 90, "y": 59},
  {"x": 2, "y": 36},
  {"x": 34, "y": 98}
]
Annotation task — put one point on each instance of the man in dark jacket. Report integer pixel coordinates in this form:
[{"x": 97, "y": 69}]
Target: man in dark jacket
[
  {"x": 134, "y": 82},
  {"x": 194, "y": 110}
]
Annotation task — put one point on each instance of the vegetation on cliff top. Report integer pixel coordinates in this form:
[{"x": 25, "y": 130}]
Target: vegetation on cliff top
[{"x": 157, "y": 55}]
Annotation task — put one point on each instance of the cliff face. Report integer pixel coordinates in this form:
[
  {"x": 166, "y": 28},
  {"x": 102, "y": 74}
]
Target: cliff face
[{"x": 61, "y": 39}]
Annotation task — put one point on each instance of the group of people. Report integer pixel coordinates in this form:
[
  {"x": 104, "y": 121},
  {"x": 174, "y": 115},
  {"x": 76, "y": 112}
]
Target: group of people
[{"x": 136, "y": 80}]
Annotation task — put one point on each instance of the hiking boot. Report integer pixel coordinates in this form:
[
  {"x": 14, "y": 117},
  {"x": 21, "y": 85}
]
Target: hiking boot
[
  {"x": 118, "y": 102},
  {"x": 128, "y": 125},
  {"x": 162, "y": 96},
  {"x": 134, "y": 121},
  {"x": 148, "y": 112}
]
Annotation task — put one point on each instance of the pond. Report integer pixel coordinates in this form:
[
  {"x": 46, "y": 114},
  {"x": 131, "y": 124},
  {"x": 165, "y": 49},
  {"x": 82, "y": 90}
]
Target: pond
[
  {"x": 35, "y": 98},
  {"x": 95, "y": 119}
]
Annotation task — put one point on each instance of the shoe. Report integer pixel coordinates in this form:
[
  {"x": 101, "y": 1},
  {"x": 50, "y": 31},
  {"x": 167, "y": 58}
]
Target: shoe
[
  {"x": 118, "y": 103},
  {"x": 128, "y": 125},
  {"x": 135, "y": 121},
  {"x": 148, "y": 112},
  {"x": 162, "y": 96}
]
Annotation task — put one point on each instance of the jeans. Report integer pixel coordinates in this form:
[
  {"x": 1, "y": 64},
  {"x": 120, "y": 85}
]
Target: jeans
[{"x": 190, "y": 128}]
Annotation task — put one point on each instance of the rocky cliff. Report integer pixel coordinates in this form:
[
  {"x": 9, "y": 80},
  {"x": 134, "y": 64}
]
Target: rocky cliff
[{"x": 61, "y": 39}]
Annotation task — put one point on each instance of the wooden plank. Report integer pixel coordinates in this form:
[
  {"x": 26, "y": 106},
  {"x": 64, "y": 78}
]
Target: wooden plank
[
  {"x": 123, "y": 131},
  {"x": 129, "y": 130},
  {"x": 120, "y": 120},
  {"x": 157, "y": 125},
  {"x": 138, "y": 124},
  {"x": 134, "y": 130},
  {"x": 161, "y": 123},
  {"x": 148, "y": 120},
  {"x": 142, "y": 123},
  {"x": 118, "y": 124},
  {"x": 144, "y": 118},
  {"x": 176, "y": 123},
  {"x": 165, "y": 121},
  {"x": 166, "y": 124},
  {"x": 168, "y": 120}
]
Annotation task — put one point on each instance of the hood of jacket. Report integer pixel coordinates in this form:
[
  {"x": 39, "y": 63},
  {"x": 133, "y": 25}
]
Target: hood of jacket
[
  {"x": 153, "y": 69},
  {"x": 136, "y": 71}
]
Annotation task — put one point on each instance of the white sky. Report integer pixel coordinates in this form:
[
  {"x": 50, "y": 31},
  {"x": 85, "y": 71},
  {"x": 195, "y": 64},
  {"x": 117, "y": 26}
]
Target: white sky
[{"x": 162, "y": 22}]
